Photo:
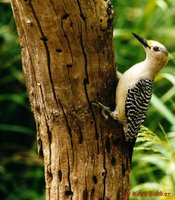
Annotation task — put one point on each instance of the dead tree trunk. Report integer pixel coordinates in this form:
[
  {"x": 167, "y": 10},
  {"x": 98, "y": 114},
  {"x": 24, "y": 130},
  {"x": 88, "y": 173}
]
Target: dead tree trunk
[{"x": 68, "y": 62}]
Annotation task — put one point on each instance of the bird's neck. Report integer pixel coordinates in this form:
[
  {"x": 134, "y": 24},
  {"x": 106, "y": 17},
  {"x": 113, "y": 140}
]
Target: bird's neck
[{"x": 153, "y": 66}]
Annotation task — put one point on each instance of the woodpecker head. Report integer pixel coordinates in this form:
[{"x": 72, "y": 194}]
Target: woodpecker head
[{"x": 155, "y": 51}]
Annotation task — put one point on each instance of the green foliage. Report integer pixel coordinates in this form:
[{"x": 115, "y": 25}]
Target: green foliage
[
  {"x": 154, "y": 162},
  {"x": 154, "y": 155}
]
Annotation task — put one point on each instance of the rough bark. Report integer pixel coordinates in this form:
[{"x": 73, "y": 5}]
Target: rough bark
[{"x": 68, "y": 63}]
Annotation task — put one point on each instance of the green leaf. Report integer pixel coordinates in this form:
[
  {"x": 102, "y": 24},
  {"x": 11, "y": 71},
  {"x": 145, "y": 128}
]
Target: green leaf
[{"x": 162, "y": 109}]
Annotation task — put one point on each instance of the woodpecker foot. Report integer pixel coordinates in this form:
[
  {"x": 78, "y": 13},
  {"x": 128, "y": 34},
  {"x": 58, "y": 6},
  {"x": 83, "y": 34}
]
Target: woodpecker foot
[
  {"x": 104, "y": 109},
  {"x": 114, "y": 115}
]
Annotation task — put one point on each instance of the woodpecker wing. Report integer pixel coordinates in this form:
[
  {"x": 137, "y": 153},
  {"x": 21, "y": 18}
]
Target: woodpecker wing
[{"x": 137, "y": 102}]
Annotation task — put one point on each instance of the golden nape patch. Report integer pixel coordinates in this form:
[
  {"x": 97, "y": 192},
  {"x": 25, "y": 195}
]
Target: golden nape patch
[{"x": 149, "y": 42}]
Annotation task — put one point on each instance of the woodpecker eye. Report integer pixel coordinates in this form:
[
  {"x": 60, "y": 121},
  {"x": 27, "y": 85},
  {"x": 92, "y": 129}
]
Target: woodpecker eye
[{"x": 156, "y": 48}]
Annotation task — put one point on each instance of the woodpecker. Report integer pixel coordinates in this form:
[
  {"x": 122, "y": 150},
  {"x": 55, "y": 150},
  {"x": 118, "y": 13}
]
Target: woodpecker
[{"x": 134, "y": 89}]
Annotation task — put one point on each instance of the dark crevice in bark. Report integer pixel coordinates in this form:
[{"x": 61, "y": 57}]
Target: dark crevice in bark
[
  {"x": 69, "y": 191},
  {"x": 37, "y": 107},
  {"x": 86, "y": 82},
  {"x": 83, "y": 18},
  {"x": 53, "y": 6},
  {"x": 93, "y": 115},
  {"x": 85, "y": 189},
  {"x": 39, "y": 145},
  {"x": 85, "y": 58},
  {"x": 85, "y": 194},
  {"x": 67, "y": 124},
  {"x": 113, "y": 161},
  {"x": 68, "y": 67},
  {"x": 59, "y": 50},
  {"x": 92, "y": 193},
  {"x": 49, "y": 133},
  {"x": 65, "y": 16},
  {"x": 104, "y": 163},
  {"x": 81, "y": 13},
  {"x": 60, "y": 175},
  {"x": 80, "y": 133},
  {"x": 94, "y": 178},
  {"x": 49, "y": 174},
  {"x": 104, "y": 174},
  {"x": 76, "y": 114},
  {"x": 65, "y": 35},
  {"x": 44, "y": 40},
  {"x": 27, "y": 0}
]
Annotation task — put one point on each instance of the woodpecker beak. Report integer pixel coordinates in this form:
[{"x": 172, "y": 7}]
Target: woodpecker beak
[{"x": 141, "y": 40}]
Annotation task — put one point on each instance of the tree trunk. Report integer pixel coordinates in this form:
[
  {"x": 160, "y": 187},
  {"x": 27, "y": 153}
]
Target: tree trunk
[{"x": 68, "y": 63}]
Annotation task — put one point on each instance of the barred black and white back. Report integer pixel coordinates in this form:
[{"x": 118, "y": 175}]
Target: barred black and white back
[{"x": 137, "y": 102}]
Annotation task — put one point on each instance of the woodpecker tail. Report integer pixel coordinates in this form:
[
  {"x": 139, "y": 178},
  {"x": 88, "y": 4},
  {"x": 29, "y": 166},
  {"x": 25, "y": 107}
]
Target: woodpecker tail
[
  {"x": 131, "y": 148},
  {"x": 130, "y": 142}
]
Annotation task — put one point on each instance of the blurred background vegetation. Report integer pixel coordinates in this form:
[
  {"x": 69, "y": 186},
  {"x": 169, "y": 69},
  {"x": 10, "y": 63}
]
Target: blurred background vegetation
[{"x": 153, "y": 168}]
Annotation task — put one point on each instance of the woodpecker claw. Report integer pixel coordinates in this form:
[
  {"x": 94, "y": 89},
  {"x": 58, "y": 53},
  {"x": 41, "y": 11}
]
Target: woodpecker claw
[
  {"x": 104, "y": 109},
  {"x": 114, "y": 115},
  {"x": 106, "y": 112}
]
